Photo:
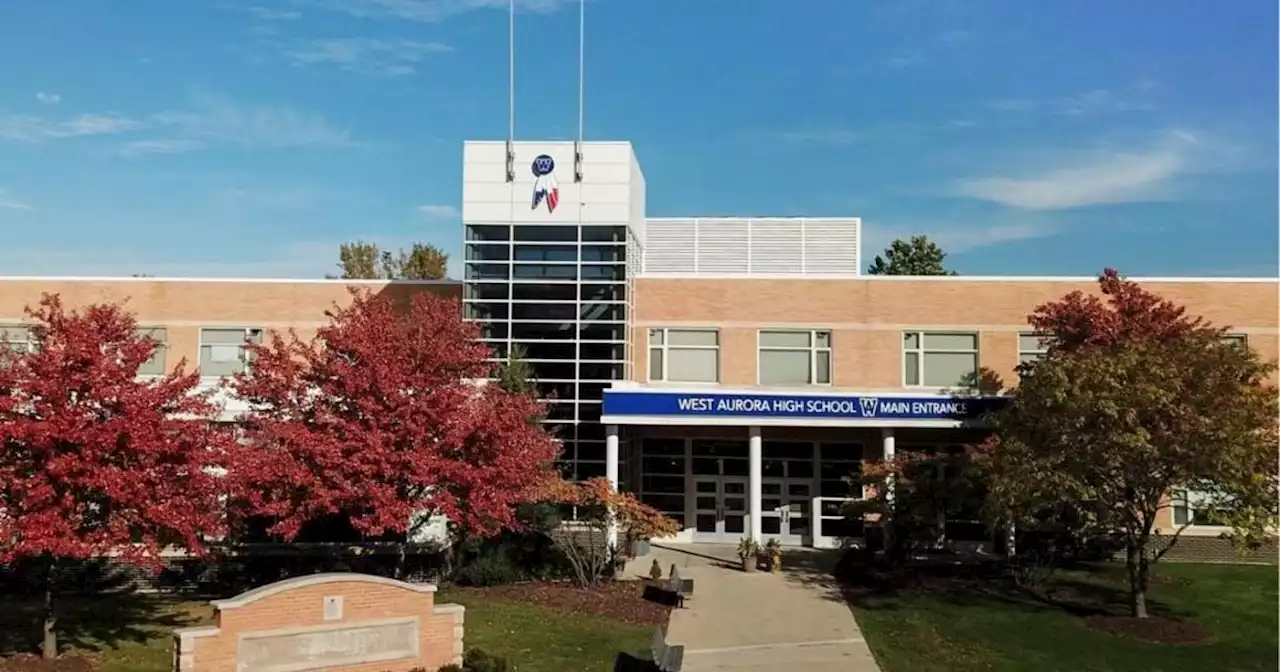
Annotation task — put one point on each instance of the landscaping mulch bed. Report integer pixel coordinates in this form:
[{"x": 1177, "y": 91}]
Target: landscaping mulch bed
[
  {"x": 30, "y": 663},
  {"x": 1151, "y": 629},
  {"x": 619, "y": 600}
]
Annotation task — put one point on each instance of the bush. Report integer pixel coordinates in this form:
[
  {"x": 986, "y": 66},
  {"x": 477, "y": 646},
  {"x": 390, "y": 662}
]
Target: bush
[
  {"x": 477, "y": 660},
  {"x": 492, "y": 569},
  {"x": 529, "y": 553}
]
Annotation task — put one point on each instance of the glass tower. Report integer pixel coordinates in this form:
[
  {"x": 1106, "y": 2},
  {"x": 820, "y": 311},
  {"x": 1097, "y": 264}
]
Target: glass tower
[{"x": 552, "y": 283}]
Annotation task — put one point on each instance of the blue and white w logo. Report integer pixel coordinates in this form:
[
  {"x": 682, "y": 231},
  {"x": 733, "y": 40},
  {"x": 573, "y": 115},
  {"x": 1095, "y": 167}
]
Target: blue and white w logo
[{"x": 869, "y": 406}]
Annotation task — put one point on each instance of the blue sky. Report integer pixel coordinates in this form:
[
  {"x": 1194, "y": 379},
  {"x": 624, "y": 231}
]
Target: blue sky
[{"x": 250, "y": 138}]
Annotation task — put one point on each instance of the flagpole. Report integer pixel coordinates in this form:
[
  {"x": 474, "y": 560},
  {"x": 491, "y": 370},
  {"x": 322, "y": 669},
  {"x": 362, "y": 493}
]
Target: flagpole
[
  {"x": 582, "y": 88},
  {"x": 511, "y": 90}
]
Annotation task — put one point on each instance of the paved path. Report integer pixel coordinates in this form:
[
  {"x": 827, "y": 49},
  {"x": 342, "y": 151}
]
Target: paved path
[{"x": 761, "y": 622}]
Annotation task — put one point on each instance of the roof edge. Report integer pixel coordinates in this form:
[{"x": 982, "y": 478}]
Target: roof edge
[
  {"x": 961, "y": 278},
  {"x": 291, "y": 281}
]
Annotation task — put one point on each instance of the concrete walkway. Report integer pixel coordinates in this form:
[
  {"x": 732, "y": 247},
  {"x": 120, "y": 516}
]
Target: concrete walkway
[{"x": 761, "y": 622}]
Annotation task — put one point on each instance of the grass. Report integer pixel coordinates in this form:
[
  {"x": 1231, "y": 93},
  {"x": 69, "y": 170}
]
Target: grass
[
  {"x": 535, "y": 639},
  {"x": 133, "y": 633},
  {"x": 931, "y": 632}
]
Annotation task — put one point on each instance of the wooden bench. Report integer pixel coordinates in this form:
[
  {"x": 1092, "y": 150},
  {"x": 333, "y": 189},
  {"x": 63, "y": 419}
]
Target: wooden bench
[{"x": 666, "y": 657}]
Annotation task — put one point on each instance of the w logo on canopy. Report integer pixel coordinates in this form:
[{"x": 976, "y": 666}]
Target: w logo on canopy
[{"x": 869, "y": 406}]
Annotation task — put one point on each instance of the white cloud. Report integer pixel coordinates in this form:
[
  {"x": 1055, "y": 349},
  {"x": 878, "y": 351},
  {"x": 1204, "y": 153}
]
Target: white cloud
[
  {"x": 10, "y": 202},
  {"x": 268, "y": 14},
  {"x": 158, "y": 146},
  {"x": 1095, "y": 102},
  {"x": 1105, "y": 177},
  {"x": 955, "y": 38},
  {"x": 439, "y": 212},
  {"x": 904, "y": 60},
  {"x": 224, "y": 120},
  {"x": 366, "y": 55},
  {"x": 431, "y": 11},
  {"x": 48, "y": 98},
  {"x": 830, "y": 136},
  {"x": 28, "y": 128},
  {"x": 1013, "y": 105},
  {"x": 952, "y": 238}
]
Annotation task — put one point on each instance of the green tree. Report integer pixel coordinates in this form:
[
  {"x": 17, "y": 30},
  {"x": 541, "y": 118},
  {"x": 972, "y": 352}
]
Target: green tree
[
  {"x": 516, "y": 375},
  {"x": 421, "y": 262},
  {"x": 361, "y": 260},
  {"x": 1135, "y": 401},
  {"x": 917, "y": 256}
]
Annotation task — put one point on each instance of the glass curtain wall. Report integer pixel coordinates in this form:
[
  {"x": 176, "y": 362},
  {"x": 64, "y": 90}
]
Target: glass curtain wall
[{"x": 558, "y": 292}]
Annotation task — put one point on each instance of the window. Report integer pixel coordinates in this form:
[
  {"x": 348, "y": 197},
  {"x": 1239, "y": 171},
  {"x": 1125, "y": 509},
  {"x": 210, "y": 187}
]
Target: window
[
  {"x": 17, "y": 338},
  {"x": 795, "y": 358},
  {"x": 1193, "y": 508},
  {"x": 684, "y": 355},
  {"x": 222, "y": 350},
  {"x": 939, "y": 359},
  {"x": 154, "y": 366},
  {"x": 1031, "y": 347},
  {"x": 1236, "y": 339}
]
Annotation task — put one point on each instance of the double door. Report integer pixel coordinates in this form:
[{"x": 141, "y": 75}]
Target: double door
[
  {"x": 785, "y": 510},
  {"x": 721, "y": 507}
]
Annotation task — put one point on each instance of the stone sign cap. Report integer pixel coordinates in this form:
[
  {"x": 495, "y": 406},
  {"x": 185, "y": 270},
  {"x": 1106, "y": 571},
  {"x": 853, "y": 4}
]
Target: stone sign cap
[{"x": 270, "y": 589}]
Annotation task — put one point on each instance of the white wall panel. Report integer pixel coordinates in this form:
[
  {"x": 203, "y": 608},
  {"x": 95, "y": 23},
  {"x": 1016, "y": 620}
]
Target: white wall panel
[
  {"x": 604, "y": 195},
  {"x": 741, "y": 246}
]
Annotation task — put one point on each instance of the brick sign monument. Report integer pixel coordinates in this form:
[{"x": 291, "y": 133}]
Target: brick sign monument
[{"x": 326, "y": 621}]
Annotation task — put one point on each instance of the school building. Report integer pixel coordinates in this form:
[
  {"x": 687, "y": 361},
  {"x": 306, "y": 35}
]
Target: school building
[{"x": 730, "y": 371}]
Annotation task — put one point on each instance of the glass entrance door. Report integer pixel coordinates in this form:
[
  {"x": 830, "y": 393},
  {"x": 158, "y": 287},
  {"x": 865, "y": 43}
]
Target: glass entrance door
[
  {"x": 785, "y": 510},
  {"x": 720, "y": 508}
]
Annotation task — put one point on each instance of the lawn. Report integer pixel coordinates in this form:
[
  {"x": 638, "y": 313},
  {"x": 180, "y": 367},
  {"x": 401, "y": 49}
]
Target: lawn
[
  {"x": 540, "y": 639},
  {"x": 132, "y": 633},
  {"x": 927, "y": 631}
]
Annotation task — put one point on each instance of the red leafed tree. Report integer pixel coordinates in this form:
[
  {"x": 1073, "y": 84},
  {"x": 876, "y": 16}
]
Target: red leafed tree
[
  {"x": 380, "y": 419},
  {"x": 1125, "y": 313},
  {"x": 94, "y": 460}
]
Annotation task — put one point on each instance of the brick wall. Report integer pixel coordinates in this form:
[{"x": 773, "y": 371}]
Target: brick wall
[
  {"x": 867, "y": 317},
  {"x": 183, "y": 307},
  {"x": 297, "y": 607},
  {"x": 1215, "y": 549}
]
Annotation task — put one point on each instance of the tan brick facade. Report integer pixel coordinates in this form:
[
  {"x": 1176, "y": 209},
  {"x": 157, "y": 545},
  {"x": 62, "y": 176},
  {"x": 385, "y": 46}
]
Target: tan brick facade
[
  {"x": 297, "y": 607},
  {"x": 183, "y": 307},
  {"x": 867, "y": 317}
]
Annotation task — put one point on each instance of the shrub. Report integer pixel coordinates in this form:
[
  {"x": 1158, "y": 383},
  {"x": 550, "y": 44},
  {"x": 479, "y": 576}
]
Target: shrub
[
  {"x": 655, "y": 570},
  {"x": 477, "y": 660},
  {"x": 491, "y": 569}
]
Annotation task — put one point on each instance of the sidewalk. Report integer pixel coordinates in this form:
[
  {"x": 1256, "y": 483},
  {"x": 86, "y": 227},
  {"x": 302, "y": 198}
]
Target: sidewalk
[{"x": 761, "y": 622}]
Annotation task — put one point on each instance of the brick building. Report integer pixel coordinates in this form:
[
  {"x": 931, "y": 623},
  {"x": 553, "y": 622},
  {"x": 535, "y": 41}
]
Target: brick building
[{"x": 729, "y": 370}]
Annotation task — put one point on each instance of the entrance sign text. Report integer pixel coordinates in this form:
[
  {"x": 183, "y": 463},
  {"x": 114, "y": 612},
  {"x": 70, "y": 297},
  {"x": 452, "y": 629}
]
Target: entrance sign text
[{"x": 938, "y": 407}]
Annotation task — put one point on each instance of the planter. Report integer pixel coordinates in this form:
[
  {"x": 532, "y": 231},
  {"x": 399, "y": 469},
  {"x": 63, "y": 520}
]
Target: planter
[
  {"x": 639, "y": 548},
  {"x": 749, "y": 564}
]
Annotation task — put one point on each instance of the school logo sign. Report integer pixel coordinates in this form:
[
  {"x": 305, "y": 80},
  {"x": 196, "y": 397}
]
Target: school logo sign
[{"x": 545, "y": 188}]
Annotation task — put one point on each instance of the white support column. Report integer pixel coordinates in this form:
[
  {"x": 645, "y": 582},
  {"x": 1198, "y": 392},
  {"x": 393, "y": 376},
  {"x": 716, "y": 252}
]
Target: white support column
[
  {"x": 888, "y": 450},
  {"x": 611, "y": 471},
  {"x": 755, "y": 478}
]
